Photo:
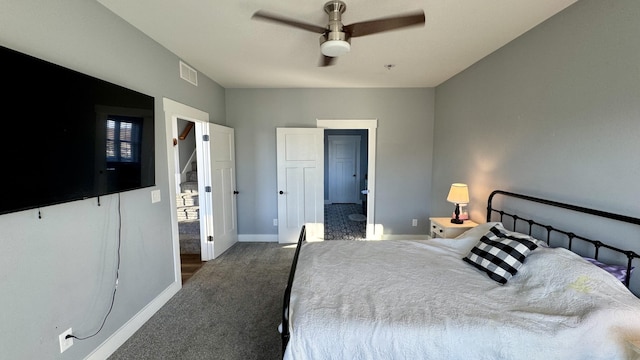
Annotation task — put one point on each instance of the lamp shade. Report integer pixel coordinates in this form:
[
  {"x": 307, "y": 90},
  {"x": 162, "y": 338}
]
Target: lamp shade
[{"x": 458, "y": 194}]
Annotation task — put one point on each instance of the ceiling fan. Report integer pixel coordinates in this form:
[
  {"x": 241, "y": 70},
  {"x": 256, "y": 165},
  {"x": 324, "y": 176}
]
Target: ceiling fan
[{"x": 335, "y": 38}]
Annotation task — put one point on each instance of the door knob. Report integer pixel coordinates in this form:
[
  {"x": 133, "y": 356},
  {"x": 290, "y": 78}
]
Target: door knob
[
  {"x": 281, "y": 192},
  {"x": 235, "y": 192}
]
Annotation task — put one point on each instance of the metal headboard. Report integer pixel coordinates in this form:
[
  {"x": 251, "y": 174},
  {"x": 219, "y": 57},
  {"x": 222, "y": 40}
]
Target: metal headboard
[
  {"x": 284, "y": 334},
  {"x": 569, "y": 235}
]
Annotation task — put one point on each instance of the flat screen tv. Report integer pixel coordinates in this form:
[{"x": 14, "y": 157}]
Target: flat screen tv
[{"x": 69, "y": 136}]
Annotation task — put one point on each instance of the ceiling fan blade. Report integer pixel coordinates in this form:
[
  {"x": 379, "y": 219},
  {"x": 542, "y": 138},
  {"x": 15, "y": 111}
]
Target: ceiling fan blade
[
  {"x": 327, "y": 60},
  {"x": 261, "y": 15},
  {"x": 385, "y": 24}
]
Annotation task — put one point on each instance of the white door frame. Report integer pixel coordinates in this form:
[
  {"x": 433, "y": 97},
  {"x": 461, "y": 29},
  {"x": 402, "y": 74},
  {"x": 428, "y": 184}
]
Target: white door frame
[
  {"x": 172, "y": 111},
  {"x": 371, "y": 125},
  {"x": 205, "y": 200}
]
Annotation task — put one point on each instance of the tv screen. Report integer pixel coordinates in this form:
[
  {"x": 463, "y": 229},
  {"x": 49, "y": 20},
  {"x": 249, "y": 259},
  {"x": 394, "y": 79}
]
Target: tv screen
[{"x": 70, "y": 136}]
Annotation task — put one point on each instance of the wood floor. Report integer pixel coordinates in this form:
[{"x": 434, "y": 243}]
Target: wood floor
[{"x": 190, "y": 263}]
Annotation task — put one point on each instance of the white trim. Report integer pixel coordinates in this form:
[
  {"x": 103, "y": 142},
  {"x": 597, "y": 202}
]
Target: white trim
[
  {"x": 347, "y": 124},
  {"x": 371, "y": 125},
  {"x": 113, "y": 342},
  {"x": 257, "y": 237},
  {"x": 205, "y": 199},
  {"x": 186, "y": 112},
  {"x": 172, "y": 111}
]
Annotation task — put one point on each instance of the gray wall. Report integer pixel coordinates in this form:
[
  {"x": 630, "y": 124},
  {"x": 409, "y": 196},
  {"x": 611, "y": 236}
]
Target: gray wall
[
  {"x": 58, "y": 272},
  {"x": 404, "y": 150},
  {"x": 555, "y": 113},
  {"x": 186, "y": 147}
]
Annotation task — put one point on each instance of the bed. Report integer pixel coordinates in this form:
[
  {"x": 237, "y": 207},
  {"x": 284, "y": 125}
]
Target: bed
[{"x": 495, "y": 292}]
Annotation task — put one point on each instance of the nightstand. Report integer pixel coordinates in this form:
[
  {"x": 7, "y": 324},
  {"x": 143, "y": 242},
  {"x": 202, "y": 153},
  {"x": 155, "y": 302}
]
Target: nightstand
[{"x": 442, "y": 227}]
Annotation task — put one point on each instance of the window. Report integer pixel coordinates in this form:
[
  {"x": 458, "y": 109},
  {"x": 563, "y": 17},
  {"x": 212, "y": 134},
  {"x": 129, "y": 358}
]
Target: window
[{"x": 123, "y": 139}]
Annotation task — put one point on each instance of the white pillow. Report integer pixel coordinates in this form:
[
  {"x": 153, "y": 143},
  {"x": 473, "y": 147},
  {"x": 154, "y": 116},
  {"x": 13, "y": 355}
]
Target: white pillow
[{"x": 478, "y": 231}]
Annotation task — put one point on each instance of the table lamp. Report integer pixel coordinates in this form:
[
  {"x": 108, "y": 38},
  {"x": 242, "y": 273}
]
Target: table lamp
[{"x": 458, "y": 194}]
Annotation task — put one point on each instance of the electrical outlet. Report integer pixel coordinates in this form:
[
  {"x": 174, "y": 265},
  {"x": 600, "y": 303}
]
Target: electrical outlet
[
  {"x": 64, "y": 342},
  {"x": 414, "y": 222},
  {"x": 275, "y": 222}
]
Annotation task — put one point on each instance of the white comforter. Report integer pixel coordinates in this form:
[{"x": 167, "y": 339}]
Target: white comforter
[{"x": 403, "y": 299}]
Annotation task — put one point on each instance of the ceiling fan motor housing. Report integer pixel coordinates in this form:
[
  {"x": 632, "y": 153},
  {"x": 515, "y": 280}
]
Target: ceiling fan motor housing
[{"x": 335, "y": 42}]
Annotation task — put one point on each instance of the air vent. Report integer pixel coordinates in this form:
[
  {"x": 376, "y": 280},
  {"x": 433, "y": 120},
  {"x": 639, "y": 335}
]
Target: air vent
[{"x": 188, "y": 73}]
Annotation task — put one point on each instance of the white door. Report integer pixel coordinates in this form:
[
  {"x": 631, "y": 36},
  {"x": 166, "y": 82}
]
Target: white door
[
  {"x": 223, "y": 183},
  {"x": 344, "y": 168},
  {"x": 216, "y": 188},
  {"x": 300, "y": 180}
]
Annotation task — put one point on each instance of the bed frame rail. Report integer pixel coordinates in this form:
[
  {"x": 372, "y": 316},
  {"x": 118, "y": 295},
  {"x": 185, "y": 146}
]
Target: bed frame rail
[
  {"x": 284, "y": 334},
  {"x": 631, "y": 255}
]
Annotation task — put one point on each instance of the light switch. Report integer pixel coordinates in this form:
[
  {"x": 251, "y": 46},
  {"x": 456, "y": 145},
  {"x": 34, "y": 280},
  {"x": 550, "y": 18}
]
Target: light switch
[{"x": 155, "y": 196}]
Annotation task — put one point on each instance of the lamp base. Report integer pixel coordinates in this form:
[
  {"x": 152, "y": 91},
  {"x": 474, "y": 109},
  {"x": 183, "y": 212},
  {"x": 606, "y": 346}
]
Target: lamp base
[
  {"x": 457, "y": 221},
  {"x": 464, "y": 215}
]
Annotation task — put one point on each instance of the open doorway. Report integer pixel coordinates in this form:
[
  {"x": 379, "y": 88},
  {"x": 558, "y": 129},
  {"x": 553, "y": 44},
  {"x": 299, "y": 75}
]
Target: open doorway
[
  {"x": 367, "y": 179},
  {"x": 188, "y": 201},
  {"x": 204, "y": 191},
  {"x": 176, "y": 113},
  {"x": 345, "y": 184},
  {"x": 215, "y": 158}
]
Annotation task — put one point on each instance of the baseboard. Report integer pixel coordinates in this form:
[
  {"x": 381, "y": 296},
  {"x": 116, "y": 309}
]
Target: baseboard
[
  {"x": 111, "y": 344},
  {"x": 257, "y": 237}
]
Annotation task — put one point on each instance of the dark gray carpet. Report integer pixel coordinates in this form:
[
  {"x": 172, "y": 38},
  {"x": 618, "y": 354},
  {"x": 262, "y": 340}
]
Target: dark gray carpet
[{"x": 230, "y": 309}]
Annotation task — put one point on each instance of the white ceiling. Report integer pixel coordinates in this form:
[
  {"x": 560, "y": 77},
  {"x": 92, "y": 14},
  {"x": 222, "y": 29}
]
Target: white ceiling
[{"x": 219, "y": 39}]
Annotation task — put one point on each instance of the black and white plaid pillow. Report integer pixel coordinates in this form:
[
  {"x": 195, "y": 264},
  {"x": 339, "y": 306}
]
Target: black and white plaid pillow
[{"x": 500, "y": 253}]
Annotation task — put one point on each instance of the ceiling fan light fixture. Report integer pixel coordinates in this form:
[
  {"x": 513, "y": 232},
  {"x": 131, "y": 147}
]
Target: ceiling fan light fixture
[
  {"x": 335, "y": 48},
  {"x": 335, "y": 37}
]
